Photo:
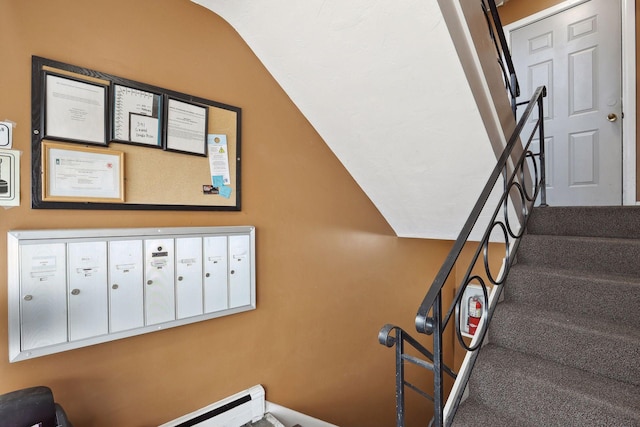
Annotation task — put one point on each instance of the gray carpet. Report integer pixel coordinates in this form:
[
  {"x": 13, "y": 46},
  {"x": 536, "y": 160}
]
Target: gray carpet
[{"x": 564, "y": 345}]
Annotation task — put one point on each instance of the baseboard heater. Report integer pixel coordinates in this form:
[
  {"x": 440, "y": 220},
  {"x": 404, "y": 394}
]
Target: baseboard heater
[{"x": 234, "y": 411}]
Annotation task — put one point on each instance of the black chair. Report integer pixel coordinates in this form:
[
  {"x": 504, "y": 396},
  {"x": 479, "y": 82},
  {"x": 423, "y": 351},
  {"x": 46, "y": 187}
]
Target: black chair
[{"x": 32, "y": 406}]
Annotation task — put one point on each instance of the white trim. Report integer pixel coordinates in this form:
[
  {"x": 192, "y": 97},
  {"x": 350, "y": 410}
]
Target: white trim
[
  {"x": 238, "y": 415},
  {"x": 560, "y": 7},
  {"x": 629, "y": 122},
  {"x": 628, "y": 9}
]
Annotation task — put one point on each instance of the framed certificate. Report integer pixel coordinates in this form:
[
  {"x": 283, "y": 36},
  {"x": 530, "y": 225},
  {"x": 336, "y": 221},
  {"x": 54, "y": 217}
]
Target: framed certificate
[
  {"x": 75, "y": 110},
  {"x": 137, "y": 116},
  {"x": 82, "y": 174},
  {"x": 186, "y": 127}
]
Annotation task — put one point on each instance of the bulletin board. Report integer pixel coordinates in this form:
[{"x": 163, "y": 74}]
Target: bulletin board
[{"x": 101, "y": 141}]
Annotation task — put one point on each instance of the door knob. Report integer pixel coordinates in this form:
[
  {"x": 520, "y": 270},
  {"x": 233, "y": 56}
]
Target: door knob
[{"x": 612, "y": 117}]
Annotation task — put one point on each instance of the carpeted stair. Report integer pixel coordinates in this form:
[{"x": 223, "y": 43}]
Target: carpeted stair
[{"x": 564, "y": 345}]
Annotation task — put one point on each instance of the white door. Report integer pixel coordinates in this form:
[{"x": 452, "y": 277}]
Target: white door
[{"x": 577, "y": 55}]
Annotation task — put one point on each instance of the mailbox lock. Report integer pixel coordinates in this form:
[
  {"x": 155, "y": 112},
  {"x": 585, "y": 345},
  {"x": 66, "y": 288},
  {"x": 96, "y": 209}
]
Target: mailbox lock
[
  {"x": 207, "y": 274},
  {"x": 149, "y": 282},
  {"x": 233, "y": 271},
  {"x": 180, "y": 278},
  {"x": 75, "y": 292},
  {"x": 28, "y": 297},
  {"x": 115, "y": 286}
]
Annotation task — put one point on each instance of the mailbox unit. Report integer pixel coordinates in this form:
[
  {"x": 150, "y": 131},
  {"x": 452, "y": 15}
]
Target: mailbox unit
[{"x": 73, "y": 288}]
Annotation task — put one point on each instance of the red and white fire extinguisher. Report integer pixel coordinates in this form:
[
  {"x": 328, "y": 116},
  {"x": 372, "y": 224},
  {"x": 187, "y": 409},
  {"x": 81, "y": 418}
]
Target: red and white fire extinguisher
[{"x": 474, "y": 314}]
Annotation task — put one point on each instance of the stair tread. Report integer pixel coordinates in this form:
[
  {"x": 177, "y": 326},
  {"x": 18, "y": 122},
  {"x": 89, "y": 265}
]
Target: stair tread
[
  {"x": 516, "y": 384},
  {"x": 596, "y": 345},
  {"x": 621, "y": 221},
  {"x": 615, "y": 298},
  {"x": 573, "y": 321},
  {"x": 474, "y": 413},
  {"x": 588, "y": 254}
]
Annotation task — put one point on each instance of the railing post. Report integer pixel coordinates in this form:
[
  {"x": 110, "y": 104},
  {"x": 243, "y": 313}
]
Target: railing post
[
  {"x": 438, "y": 392},
  {"x": 514, "y": 104},
  {"x": 399, "y": 378},
  {"x": 543, "y": 167}
]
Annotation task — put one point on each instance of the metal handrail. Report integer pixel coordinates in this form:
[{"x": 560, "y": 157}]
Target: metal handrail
[
  {"x": 428, "y": 318},
  {"x": 502, "y": 48},
  {"x": 423, "y": 322},
  {"x": 386, "y": 338},
  {"x": 519, "y": 171}
]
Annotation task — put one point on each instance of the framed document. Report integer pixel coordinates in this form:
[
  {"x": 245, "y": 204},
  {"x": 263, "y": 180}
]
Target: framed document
[
  {"x": 186, "y": 127},
  {"x": 137, "y": 116},
  {"x": 82, "y": 174},
  {"x": 75, "y": 110}
]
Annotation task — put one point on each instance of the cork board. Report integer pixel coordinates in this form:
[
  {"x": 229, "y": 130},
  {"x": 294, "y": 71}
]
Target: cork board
[{"x": 154, "y": 178}]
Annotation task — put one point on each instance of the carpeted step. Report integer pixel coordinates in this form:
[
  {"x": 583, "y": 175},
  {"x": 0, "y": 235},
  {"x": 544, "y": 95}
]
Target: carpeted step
[
  {"x": 473, "y": 413},
  {"x": 564, "y": 344},
  {"x": 585, "y": 254},
  {"x": 598, "y": 221},
  {"x": 543, "y": 393},
  {"x": 605, "y": 297},
  {"x": 587, "y": 343}
]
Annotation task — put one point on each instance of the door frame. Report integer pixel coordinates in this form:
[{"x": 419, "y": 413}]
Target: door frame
[{"x": 628, "y": 9}]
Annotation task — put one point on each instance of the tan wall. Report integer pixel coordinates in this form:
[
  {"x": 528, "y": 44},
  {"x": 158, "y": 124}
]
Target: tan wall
[
  {"x": 518, "y": 9},
  {"x": 330, "y": 270}
]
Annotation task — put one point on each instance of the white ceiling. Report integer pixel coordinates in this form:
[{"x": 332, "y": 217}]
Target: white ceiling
[{"x": 382, "y": 84}]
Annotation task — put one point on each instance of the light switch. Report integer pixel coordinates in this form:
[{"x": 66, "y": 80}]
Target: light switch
[{"x": 6, "y": 135}]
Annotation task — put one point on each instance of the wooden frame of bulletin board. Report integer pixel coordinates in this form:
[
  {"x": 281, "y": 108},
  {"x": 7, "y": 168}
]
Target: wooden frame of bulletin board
[{"x": 101, "y": 141}]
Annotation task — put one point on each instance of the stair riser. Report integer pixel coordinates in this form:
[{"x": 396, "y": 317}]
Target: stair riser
[
  {"x": 617, "y": 301},
  {"x": 621, "y": 222},
  {"x": 613, "y": 356},
  {"x": 602, "y": 256}
]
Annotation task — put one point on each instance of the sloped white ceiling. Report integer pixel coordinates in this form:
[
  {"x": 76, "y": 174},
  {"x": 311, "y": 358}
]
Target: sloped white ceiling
[{"x": 382, "y": 84}]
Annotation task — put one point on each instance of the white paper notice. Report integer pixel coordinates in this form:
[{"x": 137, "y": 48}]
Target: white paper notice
[
  {"x": 218, "y": 158},
  {"x": 144, "y": 129},
  {"x": 75, "y": 110},
  {"x": 135, "y": 109},
  {"x": 186, "y": 127}
]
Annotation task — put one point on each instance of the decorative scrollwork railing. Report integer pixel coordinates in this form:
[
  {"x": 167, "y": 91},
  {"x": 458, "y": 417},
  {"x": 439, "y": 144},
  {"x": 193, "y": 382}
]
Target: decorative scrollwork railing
[{"x": 523, "y": 173}]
